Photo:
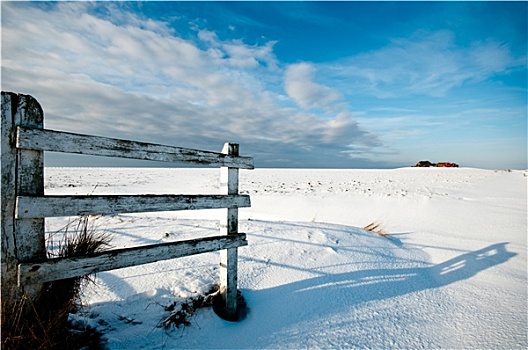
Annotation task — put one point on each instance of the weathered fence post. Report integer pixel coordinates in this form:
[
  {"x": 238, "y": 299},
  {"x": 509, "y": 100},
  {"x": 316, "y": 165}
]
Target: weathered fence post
[
  {"x": 22, "y": 175},
  {"x": 229, "y": 226}
]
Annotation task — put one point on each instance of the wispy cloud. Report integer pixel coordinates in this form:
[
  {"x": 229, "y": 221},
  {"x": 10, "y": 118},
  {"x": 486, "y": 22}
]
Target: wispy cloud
[
  {"x": 423, "y": 64},
  {"x": 122, "y": 75},
  {"x": 299, "y": 85}
]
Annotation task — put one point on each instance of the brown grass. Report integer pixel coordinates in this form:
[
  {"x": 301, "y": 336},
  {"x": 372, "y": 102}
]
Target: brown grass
[
  {"x": 376, "y": 228},
  {"x": 43, "y": 323}
]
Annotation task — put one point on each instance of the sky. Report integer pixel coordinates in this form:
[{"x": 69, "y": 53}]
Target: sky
[{"x": 296, "y": 84}]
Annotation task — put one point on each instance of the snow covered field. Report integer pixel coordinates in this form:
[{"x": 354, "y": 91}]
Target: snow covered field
[{"x": 451, "y": 274}]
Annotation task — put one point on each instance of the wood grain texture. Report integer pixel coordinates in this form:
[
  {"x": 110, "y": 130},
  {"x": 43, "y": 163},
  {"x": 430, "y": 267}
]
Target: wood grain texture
[
  {"x": 58, "y": 141},
  {"x": 54, "y": 206},
  {"x": 62, "y": 268}
]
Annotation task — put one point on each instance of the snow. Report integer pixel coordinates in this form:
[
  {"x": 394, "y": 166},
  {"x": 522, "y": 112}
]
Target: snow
[{"x": 452, "y": 273}]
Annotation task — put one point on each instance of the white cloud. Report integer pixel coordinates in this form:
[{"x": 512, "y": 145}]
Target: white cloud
[
  {"x": 299, "y": 85},
  {"x": 237, "y": 54},
  {"x": 241, "y": 55},
  {"x": 208, "y": 36},
  {"x": 129, "y": 77}
]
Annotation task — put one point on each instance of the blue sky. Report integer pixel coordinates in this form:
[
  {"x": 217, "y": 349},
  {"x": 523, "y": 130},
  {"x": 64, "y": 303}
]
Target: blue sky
[{"x": 297, "y": 84}]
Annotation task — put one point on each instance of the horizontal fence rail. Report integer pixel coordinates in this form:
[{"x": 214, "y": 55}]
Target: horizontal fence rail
[
  {"x": 62, "y": 268},
  {"x": 54, "y": 206},
  {"x": 59, "y": 141}
]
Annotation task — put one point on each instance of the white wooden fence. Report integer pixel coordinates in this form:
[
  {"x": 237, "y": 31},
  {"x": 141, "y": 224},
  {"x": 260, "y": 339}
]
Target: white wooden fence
[{"x": 24, "y": 206}]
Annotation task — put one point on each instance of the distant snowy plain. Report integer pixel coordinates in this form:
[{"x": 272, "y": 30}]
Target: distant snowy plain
[{"x": 452, "y": 272}]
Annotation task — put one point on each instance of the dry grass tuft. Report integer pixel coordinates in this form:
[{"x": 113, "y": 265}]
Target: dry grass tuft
[
  {"x": 81, "y": 237},
  {"x": 179, "y": 314},
  {"x": 376, "y": 228},
  {"x": 43, "y": 323}
]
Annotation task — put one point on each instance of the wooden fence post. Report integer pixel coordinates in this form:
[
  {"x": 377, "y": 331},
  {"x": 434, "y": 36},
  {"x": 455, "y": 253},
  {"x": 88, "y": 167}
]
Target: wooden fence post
[
  {"x": 22, "y": 175},
  {"x": 229, "y": 226}
]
